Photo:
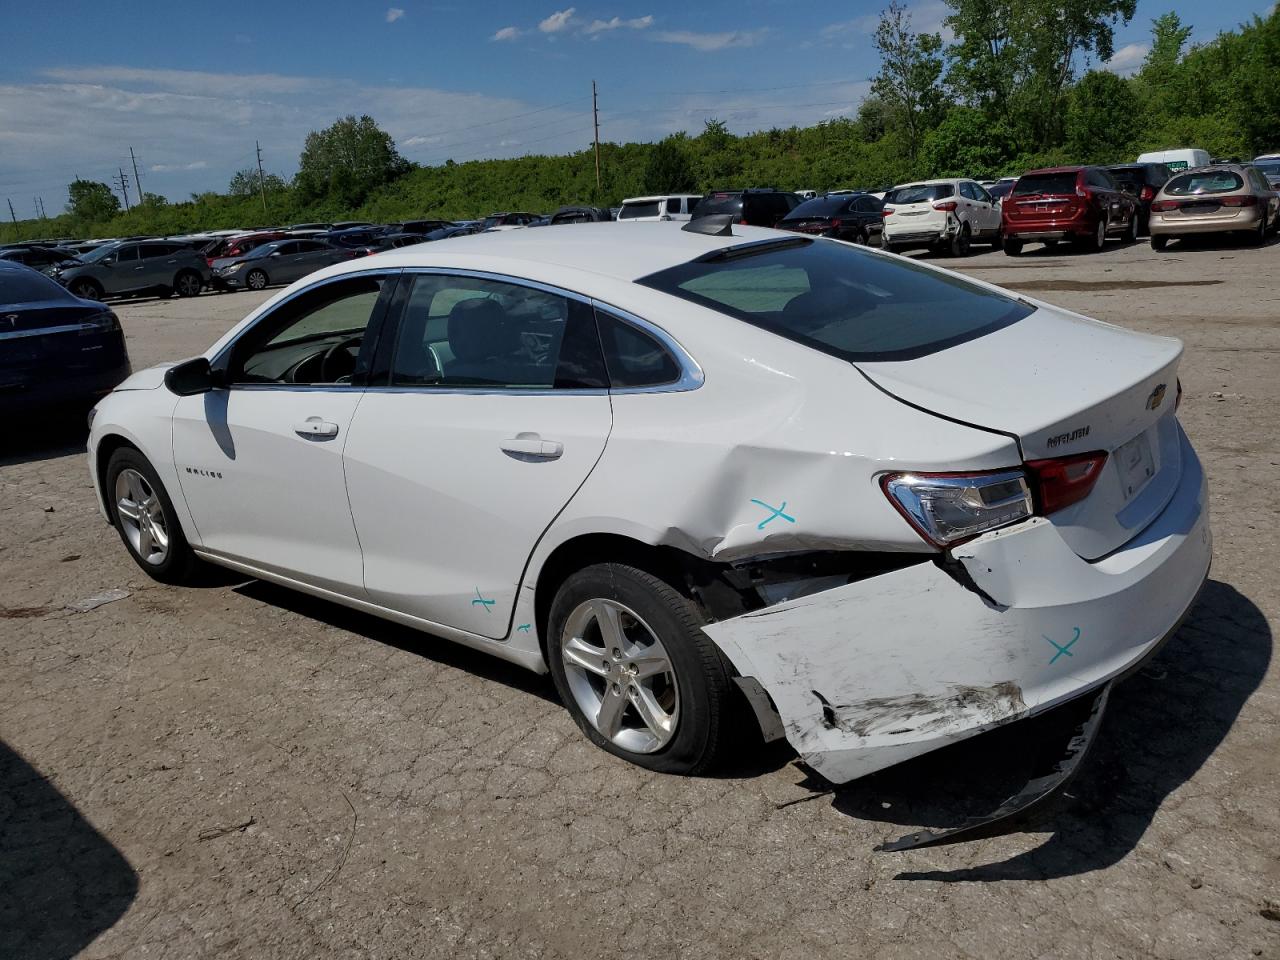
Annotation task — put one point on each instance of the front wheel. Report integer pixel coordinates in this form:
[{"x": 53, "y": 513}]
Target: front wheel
[
  {"x": 87, "y": 289},
  {"x": 256, "y": 280},
  {"x": 144, "y": 516},
  {"x": 631, "y": 663}
]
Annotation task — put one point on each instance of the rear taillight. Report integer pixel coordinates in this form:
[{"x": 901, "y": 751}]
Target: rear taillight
[
  {"x": 836, "y": 224},
  {"x": 1062, "y": 481},
  {"x": 887, "y": 211},
  {"x": 947, "y": 205},
  {"x": 1248, "y": 200},
  {"x": 1159, "y": 206},
  {"x": 1146, "y": 193},
  {"x": 949, "y": 508},
  {"x": 1082, "y": 190},
  {"x": 743, "y": 223}
]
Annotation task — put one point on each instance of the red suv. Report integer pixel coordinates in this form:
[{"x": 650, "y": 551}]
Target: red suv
[
  {"x": 238, "y": 246},
  {"x": 1081, "y": 204}
]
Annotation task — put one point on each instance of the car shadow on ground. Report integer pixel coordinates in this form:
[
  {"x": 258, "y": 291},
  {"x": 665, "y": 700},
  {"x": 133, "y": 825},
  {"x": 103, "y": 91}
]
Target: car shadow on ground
[
  {"x": 61, "y": 882},
  {"x": 1160, "y": 727},
  {"x": 29, "y": 439}
]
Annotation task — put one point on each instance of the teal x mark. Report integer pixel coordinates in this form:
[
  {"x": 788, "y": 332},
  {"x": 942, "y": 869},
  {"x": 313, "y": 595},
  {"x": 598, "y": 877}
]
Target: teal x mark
[
  {"x": 774, "y": 514},
  {"x": 487, "y": 604},
  {"x": 1064, "y": 650}
]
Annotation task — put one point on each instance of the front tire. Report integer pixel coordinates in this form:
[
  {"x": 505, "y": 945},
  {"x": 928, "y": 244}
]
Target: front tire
[
  {"x": 633, "y": 667},
  {"x": 256, "y": 280},
  {"x": 144, "y": 517},
  {"x": 87, "y": 289}
]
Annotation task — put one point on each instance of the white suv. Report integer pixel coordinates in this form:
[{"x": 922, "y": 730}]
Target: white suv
[
  {"x": 675, "y": 206},
  {"x": 944, "y": 214}
]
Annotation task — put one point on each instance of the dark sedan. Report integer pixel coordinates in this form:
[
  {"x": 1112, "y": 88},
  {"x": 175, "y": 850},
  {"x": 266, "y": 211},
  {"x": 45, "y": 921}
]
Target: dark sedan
[
  {"x": 858, "y": 217},
  {"x": 1143, "y": 181},
  {"x": 56, "y": 350},
  {"x": 281, "y": 261}
]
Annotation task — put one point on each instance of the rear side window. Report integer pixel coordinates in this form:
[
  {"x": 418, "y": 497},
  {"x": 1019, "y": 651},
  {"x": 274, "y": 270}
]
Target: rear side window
[
  {"x": 720, "y": 203},
  {"x": 473, "y": 332},
  {"x": 633, "y": 357},
  {"x": 633, "y": 211},
  {"x": 673, "y": 204},
  {"x": 1045, "y": 184},
  {"x": 920, "y": 193},
  {"x": 843, "y": 301},
  {"x": 1211, "y": 181}
]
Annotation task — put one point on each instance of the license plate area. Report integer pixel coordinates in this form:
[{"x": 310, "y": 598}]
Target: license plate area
[{"x": 1136, "y": 463}]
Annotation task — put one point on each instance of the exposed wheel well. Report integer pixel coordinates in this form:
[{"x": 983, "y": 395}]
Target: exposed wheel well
[{"x": 106, "y": 447}]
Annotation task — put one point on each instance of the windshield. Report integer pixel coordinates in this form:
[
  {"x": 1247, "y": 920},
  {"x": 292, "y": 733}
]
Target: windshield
[
  {"x": 97, "y": 253},
  {"x": 1042, "y": 184},
  {"x": 920, "y": 193},
  {"x": 842, "y": 300},
  {"x": 633, "y": 211},
  {"x": 1208, "y": 181},
  {"x": 820, "y": 207}
]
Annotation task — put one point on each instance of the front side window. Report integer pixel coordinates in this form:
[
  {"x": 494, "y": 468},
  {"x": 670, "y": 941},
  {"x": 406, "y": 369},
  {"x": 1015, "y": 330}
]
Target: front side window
[
  {"x": 843, "y": 301},
  {"x": 315, "y": 338},
  {"x": 127, "y": 253},
  {"x": 459, "y": 331},
  {"x": 673, "y": 204}
]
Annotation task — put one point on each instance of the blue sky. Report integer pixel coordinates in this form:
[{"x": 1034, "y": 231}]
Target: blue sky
[{"x": 191, "y": 86}]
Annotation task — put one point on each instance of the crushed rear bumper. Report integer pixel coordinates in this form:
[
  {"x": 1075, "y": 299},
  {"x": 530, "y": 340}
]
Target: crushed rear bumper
[{"x": 1013, "y": 623}]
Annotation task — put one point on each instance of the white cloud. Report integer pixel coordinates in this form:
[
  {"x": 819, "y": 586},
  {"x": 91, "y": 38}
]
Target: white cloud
[
  {"x": 171, "y": 167},
  {"x": 394, "y": 14},
  {"x": 506, "y": 33},
  {"x": 557, "y": 21},
  {"x": 617, "y": 23},
  {"x": 927, "y": 16},
  {"x": 712, "y": 41},
  {"x": 1128, "y": 58}
]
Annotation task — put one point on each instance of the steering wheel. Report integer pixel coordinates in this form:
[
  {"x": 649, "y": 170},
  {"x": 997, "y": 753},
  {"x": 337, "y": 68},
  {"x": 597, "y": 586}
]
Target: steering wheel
[{"x": 330, "y": 359}]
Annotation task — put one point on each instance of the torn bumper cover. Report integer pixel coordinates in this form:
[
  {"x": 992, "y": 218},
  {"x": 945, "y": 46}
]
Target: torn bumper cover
[{"x": 870, "y": 674}]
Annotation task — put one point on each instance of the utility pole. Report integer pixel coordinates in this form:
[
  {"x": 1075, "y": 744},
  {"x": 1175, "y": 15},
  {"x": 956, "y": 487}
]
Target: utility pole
[
  {"x": 595, "y": 116},
  {"x": 43, "y": 215},
  {"x": 12, "y": 216},
  {"x": 262, "y": 180},
  {"x": 137, "y": 180},
  {"x": 122, "y": 182}
]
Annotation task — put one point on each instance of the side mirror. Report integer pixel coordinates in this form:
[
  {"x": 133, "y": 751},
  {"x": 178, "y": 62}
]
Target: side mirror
[
  {"x": 275, "y": 253},
  {"x": 108, "y": 261},
  {"x": 190, "y": 377}
]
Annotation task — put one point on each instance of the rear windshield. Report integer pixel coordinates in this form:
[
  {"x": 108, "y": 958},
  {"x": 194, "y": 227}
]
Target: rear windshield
[
  {"x": 847, "y": 302},
  {"x": 1041, "y": 184},
  {"x": 1000, "y": 190},
  {"x": 1209, "y": 181},
  {"x": 1134, "y": 175},
  {"x": 28, "y": 286},
  {"x": 820, "y": 207},
  {"x": 630, "y": 211},
  {"x": 720, "y": 203},
  {"x": 920, "y": 193},
  {"x": 1270, "y": 168}
]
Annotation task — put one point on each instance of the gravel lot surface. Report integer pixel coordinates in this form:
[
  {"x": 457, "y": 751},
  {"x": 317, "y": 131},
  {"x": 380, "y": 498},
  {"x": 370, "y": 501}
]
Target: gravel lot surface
[{"x": 240, "y": 771}]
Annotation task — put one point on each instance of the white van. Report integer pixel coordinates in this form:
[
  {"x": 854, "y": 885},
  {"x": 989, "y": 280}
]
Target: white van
[
  {"x": 671, "y": 206},
  {"x": 1182, "y": 158}
]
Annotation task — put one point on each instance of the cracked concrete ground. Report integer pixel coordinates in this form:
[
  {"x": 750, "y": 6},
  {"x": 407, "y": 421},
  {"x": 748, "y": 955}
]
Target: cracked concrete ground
[{"x": 240, "y": 771}]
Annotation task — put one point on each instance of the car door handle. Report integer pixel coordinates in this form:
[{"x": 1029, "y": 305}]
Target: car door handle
[
  {"x": 530, "y": 446},
  {"x": 313, "y": 428}
]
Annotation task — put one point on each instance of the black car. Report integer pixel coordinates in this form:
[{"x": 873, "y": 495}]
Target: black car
[
  {"x": 56, "y": 350},
  {"x": 577, "y": 214},
  {"x": 418, "y": 226},
  {"x": 1144, "y": 181},
  {"x": 757, "y": 208},
  {"x": 41, "y": 258},
  {"x": 858, "y": 218}
]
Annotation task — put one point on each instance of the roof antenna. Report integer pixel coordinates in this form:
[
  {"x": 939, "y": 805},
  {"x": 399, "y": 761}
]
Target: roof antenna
[{"x": 712, "y": 225}]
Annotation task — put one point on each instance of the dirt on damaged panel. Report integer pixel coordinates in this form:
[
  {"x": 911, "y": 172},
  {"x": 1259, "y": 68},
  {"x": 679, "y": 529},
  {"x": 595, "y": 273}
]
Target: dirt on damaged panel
[
  {"x": 240, "y": 771},
  {"x": 918, "y": 713}
]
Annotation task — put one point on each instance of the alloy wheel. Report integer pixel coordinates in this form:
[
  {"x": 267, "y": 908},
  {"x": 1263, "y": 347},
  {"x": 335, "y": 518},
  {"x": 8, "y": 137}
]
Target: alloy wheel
[
  {"x": 257, "y": 280},
  {"x": 189, "y": 285},
  {"x": 141, "y": 516},
  {"x": 620, "y": 676},
  {"x": 1100, "y": 240}
]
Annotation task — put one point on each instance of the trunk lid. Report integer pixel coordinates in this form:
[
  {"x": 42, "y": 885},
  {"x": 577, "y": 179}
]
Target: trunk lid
[{"x": 1062, "y": 384}]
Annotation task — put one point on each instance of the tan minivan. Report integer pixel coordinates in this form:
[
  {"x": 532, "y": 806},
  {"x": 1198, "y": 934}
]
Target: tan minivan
[{"x": 1222, "y": 198}]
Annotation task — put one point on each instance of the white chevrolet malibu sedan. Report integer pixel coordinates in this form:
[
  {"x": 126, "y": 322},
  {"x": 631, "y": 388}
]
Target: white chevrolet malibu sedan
[{"x": 884, "y": 506}]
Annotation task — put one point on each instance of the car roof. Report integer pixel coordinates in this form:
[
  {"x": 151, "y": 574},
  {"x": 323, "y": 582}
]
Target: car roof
[
  {"x": 604, "y": 249},
  {"x": 1070, "y": 168},
  {"x": 663, "y": 196}
]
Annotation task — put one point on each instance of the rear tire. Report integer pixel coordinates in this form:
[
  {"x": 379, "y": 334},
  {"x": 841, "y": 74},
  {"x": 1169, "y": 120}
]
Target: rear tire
[
  {"x": 1159, "y": 243},
  {"x": 960, "y": 243},
  {"x": 1131, "y": 234},
  {"x": 1259, "y": 237},
  {"x": 144, "y": 517},
  {"x": 1012, "y": 246},
  {"x": 656, "y": 625}
]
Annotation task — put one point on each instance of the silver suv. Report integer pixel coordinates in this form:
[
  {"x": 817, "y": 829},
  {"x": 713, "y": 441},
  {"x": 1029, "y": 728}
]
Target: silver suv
[{"x": 131, "y": 267}]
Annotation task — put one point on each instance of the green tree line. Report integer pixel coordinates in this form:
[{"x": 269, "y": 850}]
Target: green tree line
[{"x": 1007, "y": 94}]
